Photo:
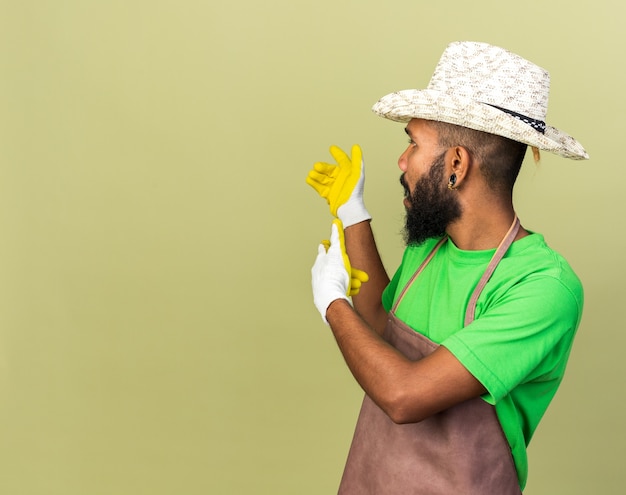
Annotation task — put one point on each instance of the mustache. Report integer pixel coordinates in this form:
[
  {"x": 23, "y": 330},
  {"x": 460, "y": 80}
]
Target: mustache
[{"x": 404, "y": 184}]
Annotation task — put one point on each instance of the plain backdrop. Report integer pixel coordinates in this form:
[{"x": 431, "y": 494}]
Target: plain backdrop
[{"x": 157, "y": 330}]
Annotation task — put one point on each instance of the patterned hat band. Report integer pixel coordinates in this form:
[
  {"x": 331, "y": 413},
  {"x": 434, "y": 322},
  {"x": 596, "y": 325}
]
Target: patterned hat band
[{"x": 538, "y": 125}]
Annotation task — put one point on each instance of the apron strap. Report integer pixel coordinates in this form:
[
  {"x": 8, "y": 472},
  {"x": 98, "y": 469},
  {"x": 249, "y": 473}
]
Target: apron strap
[{"x": 498, "y": 255}]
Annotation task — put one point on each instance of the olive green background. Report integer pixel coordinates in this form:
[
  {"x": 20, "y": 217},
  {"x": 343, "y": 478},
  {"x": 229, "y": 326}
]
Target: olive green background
[{"x": 157, "y": 331}]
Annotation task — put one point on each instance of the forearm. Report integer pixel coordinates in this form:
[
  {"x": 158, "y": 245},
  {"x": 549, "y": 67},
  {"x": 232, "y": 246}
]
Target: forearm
[
  {"x": 374, "y": 363},
  {"x": 363, "y": 253}
]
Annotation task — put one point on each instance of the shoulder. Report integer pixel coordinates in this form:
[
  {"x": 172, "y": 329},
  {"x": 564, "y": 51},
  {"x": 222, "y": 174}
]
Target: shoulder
[
  {"x": 532, "y": 260},
  {"x": 537, "y": 284}
]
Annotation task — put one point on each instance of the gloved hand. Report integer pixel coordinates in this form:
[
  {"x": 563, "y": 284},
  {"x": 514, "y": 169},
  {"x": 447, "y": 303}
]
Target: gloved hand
[
  {"x": 332, "y": 275},
  {"x": 342, "y": 185}
]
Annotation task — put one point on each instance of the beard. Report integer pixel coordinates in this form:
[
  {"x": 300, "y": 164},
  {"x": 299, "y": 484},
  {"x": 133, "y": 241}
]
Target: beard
[{"x": 432, "y": 206}]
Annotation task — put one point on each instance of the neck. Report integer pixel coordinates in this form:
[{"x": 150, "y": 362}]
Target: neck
[{"x": 474, "y": 232}]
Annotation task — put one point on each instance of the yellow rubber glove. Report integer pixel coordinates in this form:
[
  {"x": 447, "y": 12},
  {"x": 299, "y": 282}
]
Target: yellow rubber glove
[
  {"x": 357, "y": 277},
  {"x": 341, "y": 184}
]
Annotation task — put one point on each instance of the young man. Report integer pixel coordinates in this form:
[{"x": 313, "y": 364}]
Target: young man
[{"x": 462, "y": 350}]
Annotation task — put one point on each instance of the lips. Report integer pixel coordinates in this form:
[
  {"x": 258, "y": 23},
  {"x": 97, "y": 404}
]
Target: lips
[{"x": 407, "y": 191}]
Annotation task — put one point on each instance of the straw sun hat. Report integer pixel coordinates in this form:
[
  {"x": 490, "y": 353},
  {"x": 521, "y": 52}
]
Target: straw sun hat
[{"x": 489, "y": 89}]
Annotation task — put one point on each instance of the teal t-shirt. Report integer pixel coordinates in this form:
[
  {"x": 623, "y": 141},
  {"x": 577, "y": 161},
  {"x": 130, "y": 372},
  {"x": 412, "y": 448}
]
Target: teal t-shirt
[{"x": 525, "y": 322}]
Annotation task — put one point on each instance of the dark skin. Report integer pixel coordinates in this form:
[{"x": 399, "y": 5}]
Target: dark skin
[{"x": 410, "y": 391}]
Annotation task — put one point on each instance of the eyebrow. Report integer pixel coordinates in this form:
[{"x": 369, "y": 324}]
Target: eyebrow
[{"x": 406, "y": 129}]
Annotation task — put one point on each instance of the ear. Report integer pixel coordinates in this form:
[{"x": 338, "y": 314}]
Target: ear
[{"x": 458, "y": 163}]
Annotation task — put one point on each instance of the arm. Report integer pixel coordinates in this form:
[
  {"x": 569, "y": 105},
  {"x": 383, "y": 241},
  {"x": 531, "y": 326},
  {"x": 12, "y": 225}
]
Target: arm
[
  {"x": 407, "y": 391},
  {"x": 362, "y": 250}
]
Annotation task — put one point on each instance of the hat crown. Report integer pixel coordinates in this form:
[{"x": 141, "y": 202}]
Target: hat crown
[{"x": 493, "y": 75}]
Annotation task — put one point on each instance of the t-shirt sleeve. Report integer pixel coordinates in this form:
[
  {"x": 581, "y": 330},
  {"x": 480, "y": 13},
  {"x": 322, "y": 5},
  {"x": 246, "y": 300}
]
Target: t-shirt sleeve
[{"x": 525, "y": 335}]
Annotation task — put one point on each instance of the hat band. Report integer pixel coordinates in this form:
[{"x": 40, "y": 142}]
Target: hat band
[{"x": 538, "y": 125}]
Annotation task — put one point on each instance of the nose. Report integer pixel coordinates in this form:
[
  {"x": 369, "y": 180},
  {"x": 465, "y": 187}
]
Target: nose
[{"x": 402, "y": 160}]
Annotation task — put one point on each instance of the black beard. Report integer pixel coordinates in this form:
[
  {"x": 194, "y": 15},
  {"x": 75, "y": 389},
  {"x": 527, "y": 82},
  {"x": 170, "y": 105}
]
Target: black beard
[{"x": 433, "y": 206}]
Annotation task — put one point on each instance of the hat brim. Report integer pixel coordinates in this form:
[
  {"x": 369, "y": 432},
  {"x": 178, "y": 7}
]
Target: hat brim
[{"x": 402, "y": 106}]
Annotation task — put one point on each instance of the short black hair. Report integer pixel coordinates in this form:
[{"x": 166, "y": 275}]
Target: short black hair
[{"x": 499, "y": 158}]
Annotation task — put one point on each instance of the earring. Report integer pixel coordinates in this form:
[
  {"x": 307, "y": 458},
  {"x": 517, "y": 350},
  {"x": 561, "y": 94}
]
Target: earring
[{"x": 452, "y": 181}]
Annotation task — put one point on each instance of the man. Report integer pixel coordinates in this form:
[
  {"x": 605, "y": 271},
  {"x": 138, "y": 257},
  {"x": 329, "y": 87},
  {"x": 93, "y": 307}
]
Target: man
[{"x": 462, "y": 350}]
